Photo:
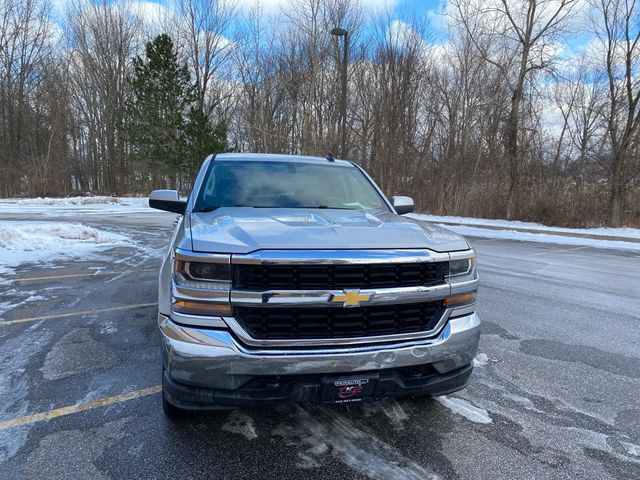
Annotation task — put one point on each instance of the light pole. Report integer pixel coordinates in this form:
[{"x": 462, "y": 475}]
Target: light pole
[{"x": 341, "y": 32}]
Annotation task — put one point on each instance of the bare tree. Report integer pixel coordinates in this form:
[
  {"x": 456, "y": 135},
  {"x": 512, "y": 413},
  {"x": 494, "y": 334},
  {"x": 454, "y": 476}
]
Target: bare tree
[
  {"x": 26, "y": 44},
  {"x": 495, "y": 121},
  {"x": 618, "y": 27},
  {"x": 515, "y": 37},
  {"x": 202, "y": 26},
  {"x": 101, "y": 37}
]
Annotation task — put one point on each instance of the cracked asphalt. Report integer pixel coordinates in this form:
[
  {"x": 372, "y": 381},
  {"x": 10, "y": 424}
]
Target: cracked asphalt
[{"x": 555, "y": 391}]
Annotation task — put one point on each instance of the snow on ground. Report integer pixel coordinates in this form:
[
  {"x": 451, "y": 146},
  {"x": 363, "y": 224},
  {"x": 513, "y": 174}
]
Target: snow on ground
[
  {"x": 30, "y": 297},
  {"x": 320, "y": 433},
  {"x": 481, "y": 360},
  {"x": 543, "y": 238},
  {"x": 34, "y": 242},
  {"x": 466, "y": 409},
  {"x": 75, "y": 205},
  {"x": 99, "y": 200},
  {"x": 631, "y": 449},
  {"x": 514, "y": 225},
  {"x": 547, "y": 234},
  {"x": 240, "y": 423},
  {"x": 472, "y": 227}
]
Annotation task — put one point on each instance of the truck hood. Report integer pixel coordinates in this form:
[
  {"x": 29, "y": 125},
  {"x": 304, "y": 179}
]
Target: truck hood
[{"x": 245, "y": 230}]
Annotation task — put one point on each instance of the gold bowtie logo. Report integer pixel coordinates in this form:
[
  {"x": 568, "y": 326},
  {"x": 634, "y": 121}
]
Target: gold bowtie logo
[{"x": 351, "y": 298}]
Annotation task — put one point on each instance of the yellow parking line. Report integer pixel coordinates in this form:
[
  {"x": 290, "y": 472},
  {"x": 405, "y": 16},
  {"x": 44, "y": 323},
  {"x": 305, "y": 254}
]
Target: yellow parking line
[
  {"x": 80, "y": 407},
  {"x": 76, "y": 275},
  {"x": 74, "y": 314}
]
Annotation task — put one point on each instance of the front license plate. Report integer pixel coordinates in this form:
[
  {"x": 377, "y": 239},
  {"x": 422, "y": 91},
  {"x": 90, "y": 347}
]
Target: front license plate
[{"x": 348, "y": 389}]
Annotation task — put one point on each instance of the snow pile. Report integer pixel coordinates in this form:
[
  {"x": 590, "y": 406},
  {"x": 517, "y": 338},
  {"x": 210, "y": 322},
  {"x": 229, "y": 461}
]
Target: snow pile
[
  {"x": 481, "y": 360},
  {"x": 66, "y": 201},
  {"x": 75, "y": 205},
  {"x": 30, "y": 242}
]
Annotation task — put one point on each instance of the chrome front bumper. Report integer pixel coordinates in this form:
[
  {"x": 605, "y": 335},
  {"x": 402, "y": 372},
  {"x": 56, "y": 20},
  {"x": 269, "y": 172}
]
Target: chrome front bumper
[{"x": 209, "y": 358}]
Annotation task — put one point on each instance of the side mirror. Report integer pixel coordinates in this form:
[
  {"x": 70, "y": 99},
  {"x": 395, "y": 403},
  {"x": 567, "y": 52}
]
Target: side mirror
[
  {"x": 402, "y": 204},
  {"x": 167, "y": 200}
]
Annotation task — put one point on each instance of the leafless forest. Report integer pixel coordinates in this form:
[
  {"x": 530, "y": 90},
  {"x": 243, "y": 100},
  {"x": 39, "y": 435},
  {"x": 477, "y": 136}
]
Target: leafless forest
[{"x": 488, "y": 112}]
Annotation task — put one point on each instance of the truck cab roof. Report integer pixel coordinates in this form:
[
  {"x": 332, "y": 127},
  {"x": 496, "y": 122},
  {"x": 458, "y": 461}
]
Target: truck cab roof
[{"x": 276, "y": 157}]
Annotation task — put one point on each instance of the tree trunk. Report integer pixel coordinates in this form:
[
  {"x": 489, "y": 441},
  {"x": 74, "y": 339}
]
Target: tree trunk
[
  {"x": 617, "y": 191},
  {"x": 512, "y": 147}
]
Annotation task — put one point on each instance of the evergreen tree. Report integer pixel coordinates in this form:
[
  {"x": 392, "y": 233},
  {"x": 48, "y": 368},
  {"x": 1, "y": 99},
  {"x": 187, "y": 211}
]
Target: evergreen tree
[
  {"x": 202, "y": 139},
  {"x": 161, "y": 93}
]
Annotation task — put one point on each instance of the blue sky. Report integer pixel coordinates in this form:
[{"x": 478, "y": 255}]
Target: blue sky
[
  {"x": 420, "y": 7},
  {"x": 399, "y": 8},
  {"x": 431, "y": 10}
]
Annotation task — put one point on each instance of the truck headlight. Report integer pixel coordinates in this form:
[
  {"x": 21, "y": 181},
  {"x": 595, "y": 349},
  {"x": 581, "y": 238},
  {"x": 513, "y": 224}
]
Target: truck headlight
[
  {"x": 463, "y": 278},
  {"x": 462, "y": 268},
  {"x": 201, "y": 288},
  {"x": 201, "y": 274}
]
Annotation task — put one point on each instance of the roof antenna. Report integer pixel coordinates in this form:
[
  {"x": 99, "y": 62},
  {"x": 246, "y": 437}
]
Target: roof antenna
[{"x": 330, "y": 157}]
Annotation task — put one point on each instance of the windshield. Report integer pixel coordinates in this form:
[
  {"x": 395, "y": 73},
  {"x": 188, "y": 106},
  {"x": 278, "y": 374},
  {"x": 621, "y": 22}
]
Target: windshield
[{"x": 286, "y": 185}]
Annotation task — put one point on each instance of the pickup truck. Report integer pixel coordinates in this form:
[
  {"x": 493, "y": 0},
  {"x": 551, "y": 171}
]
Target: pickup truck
[{"x": 294, "y": 279}]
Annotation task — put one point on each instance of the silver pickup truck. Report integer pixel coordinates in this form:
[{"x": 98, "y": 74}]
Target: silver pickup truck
[{"x": 292, "y": 279}]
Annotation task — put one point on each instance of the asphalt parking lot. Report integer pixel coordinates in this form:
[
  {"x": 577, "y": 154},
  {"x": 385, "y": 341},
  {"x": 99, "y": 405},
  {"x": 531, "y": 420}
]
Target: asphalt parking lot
[{"x": 555, "y": 392}]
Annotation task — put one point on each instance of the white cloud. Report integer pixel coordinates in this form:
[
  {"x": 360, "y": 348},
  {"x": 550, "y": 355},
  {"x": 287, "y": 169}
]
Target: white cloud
[
  {"x": 437, "y": 18},
  {"x": 268, "y": 7},
  {"x": 150, "y": 12},
  {"x": 374, "y": 6},
  {"x": 491, "y": 12},
  {"x": 274, "y": 7},
  {"x": 442, "y": 53},
  {"x": 401, "y": 32}
]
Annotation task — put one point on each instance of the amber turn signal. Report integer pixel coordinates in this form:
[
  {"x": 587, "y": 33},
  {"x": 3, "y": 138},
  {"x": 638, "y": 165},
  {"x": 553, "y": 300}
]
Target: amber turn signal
[
  {"x": 202, "y": 308},
  {"x": 461, "y": 299}
]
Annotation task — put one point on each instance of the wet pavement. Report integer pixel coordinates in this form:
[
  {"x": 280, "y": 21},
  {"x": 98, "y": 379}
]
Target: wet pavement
[{"x": 554, "y": 393}]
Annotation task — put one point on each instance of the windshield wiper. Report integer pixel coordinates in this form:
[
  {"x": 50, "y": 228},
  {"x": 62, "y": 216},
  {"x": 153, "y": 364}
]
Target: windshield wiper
[
  {"x": 332, "y": 208},
  {"x": 324, "y": 207},
  {"x": 298, "y": 207}
]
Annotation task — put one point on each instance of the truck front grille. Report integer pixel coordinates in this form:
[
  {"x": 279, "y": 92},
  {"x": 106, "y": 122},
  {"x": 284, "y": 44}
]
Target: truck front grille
[
  {"x": 327, "y": 322},
  {"x": 309, "y": 277}
]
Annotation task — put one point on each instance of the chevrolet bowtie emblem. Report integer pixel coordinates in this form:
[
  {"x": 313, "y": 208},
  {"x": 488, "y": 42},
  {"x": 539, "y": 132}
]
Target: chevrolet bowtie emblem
[{"x": 351, "y": 298}]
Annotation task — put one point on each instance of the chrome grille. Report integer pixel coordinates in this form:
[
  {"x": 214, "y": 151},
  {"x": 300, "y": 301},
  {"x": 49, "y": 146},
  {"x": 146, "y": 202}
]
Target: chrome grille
[
  {"x": 338, "y": 276},
  {"x": 268, "y": 323}
]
